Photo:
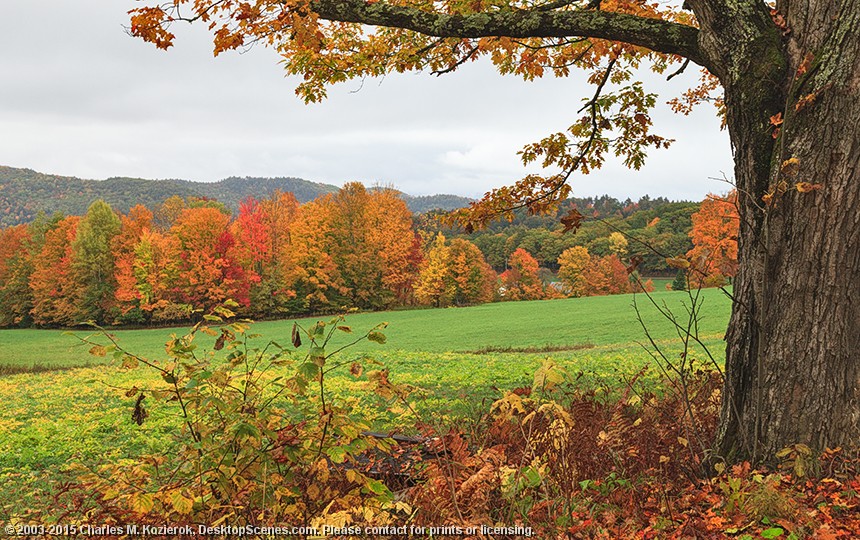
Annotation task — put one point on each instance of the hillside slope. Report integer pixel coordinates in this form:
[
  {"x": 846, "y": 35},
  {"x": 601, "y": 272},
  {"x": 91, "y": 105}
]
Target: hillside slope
[{"x": 24, "y": 193}]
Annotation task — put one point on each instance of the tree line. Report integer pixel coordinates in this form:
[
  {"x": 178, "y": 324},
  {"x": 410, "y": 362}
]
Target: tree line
[{"x": 356, "y": 248}]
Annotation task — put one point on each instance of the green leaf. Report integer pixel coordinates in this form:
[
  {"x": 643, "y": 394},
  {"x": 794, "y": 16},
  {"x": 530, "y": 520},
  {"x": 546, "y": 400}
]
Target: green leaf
[
  {"x": 168, "y": 378},
  {"x": 309, "y": 370},
  {"x": 531, "y": 476},
  {"x": 337, "y": 454},
  {"x": 245, "y": 430},
  {"x": 773, "y": 532},
  {"x": 318, "y": 331},
  {"x": 376, "y": 487}
]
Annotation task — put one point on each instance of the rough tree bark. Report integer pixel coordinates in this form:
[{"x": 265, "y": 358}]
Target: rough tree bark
[{"x": 793, "y": 374}]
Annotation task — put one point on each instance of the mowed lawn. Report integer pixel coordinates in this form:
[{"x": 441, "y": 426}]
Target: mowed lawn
[
  {"x": 599, "y": 320},
  {"x": 52, "y": 418}
]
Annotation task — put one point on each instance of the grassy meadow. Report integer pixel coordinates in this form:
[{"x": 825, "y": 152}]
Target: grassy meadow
[{"x": 73, "y": 407}]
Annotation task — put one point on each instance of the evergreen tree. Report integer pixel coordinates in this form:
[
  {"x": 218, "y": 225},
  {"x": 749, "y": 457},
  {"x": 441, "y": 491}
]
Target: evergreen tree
[{"x": 680, "y": 283}]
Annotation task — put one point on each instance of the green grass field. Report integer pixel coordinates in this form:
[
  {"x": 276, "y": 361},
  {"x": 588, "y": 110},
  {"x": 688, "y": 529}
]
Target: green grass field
[
  {"x": 51, "y": 418},
  {"x": 598, "y": 320}
]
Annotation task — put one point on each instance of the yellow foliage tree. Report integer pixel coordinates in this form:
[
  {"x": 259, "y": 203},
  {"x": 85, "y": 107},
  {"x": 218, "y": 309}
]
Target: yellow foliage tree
[{"x": 572, "y": 262}]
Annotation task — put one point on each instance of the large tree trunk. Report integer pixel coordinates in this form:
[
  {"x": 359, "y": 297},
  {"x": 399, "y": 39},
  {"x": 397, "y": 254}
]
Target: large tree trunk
[{"x": 793, "y": 351}]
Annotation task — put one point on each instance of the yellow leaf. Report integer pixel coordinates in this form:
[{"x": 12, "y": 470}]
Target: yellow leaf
[
  {"x": 678, "y": 262},
  {"x": 142, "y": 503},
  {"x": 683, "y": 442},
  {"x": 181, "y": 503},
  {"x": 790, "y": 166},
  {"x": 664, "y": 459}
]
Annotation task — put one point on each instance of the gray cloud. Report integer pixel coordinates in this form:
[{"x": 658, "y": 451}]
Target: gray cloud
[{"x": 80, "y": 97}]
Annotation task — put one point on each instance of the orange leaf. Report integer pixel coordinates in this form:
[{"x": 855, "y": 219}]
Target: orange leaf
[
  {"x": 804, "y": 65},
  {"x": 806, "y": 187}
]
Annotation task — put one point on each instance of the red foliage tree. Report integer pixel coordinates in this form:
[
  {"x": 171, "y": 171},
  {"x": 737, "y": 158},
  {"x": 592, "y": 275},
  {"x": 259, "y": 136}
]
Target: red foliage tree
[{"x": 207, "y": 274}]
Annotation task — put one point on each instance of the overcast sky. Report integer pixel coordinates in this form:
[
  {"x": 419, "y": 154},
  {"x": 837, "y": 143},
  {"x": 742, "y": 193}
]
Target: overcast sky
[{"x": 80, "y": 98}]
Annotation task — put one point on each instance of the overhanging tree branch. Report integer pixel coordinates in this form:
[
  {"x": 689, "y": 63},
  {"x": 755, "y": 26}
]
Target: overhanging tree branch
[{"x": 657, "y": 35}]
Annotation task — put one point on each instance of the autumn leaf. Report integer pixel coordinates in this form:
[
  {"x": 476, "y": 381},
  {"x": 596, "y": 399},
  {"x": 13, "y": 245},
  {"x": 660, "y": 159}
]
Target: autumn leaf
[
  {"x": 219, "y": 343},
  {"x": 376, "y": 336},
  {"x": 181, "y": 503},
  {"x": 142, "y": 503},
  {"x": 678, "y": 262},
  {"x": 572, "y": 221},
  {"x": 804, "y": 64},
  {"x": 296, "y": 337},
  {"x": 790, "y": 166},
  {"x": 779, "y": 21},
  {"x": 139, "y": 414},
  {"x": 804, "y": 101},
  {"x": 806, "y": 187},
  {"x": 635, "y": 261}
]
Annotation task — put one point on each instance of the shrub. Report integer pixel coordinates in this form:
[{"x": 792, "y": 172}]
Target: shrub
[{"x": 262, "y": 440}]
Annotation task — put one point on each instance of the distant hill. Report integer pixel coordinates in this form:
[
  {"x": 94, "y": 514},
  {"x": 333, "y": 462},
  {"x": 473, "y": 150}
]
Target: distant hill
[{"x": 24, "y": 193}]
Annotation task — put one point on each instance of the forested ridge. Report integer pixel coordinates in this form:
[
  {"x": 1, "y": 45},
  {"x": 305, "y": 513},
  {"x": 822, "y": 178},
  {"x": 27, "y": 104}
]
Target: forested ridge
[
  {"x": 24, "y": 193},
  {"x": 353, "y": 248}
]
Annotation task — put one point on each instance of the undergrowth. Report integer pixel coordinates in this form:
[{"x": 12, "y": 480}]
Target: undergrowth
[{"x": 556, "y": 458}]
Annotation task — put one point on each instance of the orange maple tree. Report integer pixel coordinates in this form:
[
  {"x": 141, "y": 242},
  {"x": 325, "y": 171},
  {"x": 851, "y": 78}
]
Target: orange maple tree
[
  {"x": 52, "y": 280},
  {"x": 521, "y": 280},
  {"x": 715, "y": 240}
]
